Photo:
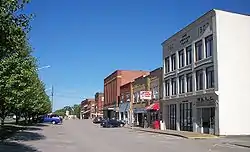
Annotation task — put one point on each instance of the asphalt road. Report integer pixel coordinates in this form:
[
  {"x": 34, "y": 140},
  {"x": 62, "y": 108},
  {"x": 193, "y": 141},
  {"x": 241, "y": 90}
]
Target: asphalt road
[{"x": 83, "y": 136}]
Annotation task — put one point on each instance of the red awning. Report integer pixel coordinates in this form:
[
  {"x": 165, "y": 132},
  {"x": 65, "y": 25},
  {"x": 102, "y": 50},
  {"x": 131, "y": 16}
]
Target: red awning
[{"x": 154, "y": 106}]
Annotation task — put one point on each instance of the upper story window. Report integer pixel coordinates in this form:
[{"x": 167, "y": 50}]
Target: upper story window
[
  {"x": 189, "y": 82},
  {"x": 155, "y": 92},
  {"x": 173, "y": 62},
  {"x": 167, "y": 87},
  {"x": 128, "y": 97},
  {"x": 181, "y": 84},
  {"x": 210, "y": 77},
  {"x": 199, "y": 80},
  {"x": 209, "y": 46},
  {"x": 199, "y": 50},
  {"x": 189, "y": 55},
  {"x": 167, "y": 65},
  {"x": 181, "y": 58},
  {"x": 174, "y": 86}
]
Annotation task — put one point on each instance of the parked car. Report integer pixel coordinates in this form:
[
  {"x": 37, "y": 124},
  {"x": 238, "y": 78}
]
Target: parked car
[
  {"x": 97, "y": 120},
  {"x": 112, "y": 123},
  {"x": 51, "y": 118}
]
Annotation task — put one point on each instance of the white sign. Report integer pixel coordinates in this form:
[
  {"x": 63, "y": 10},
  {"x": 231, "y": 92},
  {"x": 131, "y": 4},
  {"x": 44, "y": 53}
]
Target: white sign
[
  {"x": 102, "y": 99},
  {"x": 145, "y": 95}
]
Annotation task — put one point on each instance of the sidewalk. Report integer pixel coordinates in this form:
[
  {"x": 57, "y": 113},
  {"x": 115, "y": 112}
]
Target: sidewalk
[
  {"x": 243, "y": 141},
  {"x": 183, "y": 134}
]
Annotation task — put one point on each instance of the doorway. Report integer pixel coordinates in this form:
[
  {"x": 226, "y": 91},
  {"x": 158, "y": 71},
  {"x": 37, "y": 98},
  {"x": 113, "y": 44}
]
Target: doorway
[{"x": 206, "y": 120}]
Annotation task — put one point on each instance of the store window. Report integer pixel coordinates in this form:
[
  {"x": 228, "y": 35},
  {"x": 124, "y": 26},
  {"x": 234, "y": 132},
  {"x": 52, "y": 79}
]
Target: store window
[
  {"x": 209, "y": 46},
  {"x": 186, "y": 123},
  {"x": 199, "y": 50},
  {"x": 171, "y": 116}
]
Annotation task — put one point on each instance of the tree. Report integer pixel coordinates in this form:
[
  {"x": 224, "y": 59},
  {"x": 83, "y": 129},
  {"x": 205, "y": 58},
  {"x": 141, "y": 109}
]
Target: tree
[
  {"x": 21, "y": 90},
  {"x": 76, "y": 110}
]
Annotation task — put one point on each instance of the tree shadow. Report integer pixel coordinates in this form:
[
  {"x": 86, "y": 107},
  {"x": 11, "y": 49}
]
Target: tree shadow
[
  {"x": 16, "y": 147},
  {"x": 27, "y": 136},
  {"x": 12, "y": 131}
]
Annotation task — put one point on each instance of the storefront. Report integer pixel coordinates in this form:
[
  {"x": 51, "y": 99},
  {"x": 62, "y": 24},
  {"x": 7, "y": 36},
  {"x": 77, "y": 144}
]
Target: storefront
[
  {"x": 195, "y": 113},
  {"x": 124, "y": 111},
  {"x": 139, "y": 116},
  {"x": 153, "y": 115}
]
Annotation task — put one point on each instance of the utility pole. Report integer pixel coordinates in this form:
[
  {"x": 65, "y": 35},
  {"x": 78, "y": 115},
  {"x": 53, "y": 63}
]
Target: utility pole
[{"x": 52, "y": 98}]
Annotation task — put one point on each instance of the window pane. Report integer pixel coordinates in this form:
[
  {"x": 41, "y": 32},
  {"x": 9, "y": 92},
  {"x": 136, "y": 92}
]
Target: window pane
[
  {"x": 210, "y": 77},
  {"x": 189, "y": 82},
  {"x": 209, "y": 46},
  {"x": 167, "y": 65},
  {"x": 181, "y": 58},
  {"x": 199, "y": 80},
  {"x": 189, "y": 55},
  {"x": 198, "y": 50},
  {"x": 174, "y": 86},
  {"x": 173, "y": 62}
]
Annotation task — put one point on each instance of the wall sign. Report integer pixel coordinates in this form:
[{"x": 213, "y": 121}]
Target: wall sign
[{"x": 205, "y": 101}]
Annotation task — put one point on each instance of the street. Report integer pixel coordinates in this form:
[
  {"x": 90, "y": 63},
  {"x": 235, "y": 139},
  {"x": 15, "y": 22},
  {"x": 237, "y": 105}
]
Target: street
[{"x": 84, "y": 136}]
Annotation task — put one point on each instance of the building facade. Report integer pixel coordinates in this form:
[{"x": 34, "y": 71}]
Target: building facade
[
  {"x": 112, "y": 85},
  {"x": 87, "y": 109},
  {"x": 206, "y": 75},
  {"x": 99, "y": 100},
  {"x": 124, "y": 104},
  {"x": 140, "y": 84}
]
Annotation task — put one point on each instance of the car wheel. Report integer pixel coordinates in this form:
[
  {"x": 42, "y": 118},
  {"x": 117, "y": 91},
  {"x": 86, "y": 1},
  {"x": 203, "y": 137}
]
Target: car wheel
[
  {"x": 121, "y": 125},
  {"x": 53, "y": 122}
]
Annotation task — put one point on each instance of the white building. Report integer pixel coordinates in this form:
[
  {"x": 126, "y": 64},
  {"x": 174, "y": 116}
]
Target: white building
[{"x": 207, "y": 75}]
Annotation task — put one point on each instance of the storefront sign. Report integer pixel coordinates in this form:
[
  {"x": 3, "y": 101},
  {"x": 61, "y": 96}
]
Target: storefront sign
[
  {"x": 145, "y": 95},
  {"x": 205, "y": 101}
]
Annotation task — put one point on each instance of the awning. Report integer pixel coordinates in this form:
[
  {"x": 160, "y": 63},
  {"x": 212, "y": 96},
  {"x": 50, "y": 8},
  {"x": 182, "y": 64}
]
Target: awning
[
  {"x": 154, "y": 106},
  {"x": 139, "y": 110},
  {"x": 124, "y": 107}
]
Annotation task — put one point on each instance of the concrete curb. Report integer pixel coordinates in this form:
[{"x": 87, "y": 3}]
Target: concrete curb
[
  {"x": 241, "y": 145},
  {"x": 173, "y": 134}
]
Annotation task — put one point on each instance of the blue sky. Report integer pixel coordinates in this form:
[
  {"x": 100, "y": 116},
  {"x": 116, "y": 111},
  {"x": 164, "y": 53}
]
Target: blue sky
[{"x": 85, "y": 40}]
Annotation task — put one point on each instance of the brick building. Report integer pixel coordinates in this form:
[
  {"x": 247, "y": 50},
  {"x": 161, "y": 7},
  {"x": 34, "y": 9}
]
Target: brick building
[
  {"x": 112, "y": 85},
  {"x": 87, "y": 108},
  {"x": 124, "y": 103},
  {"x": 99, "y": 100}
]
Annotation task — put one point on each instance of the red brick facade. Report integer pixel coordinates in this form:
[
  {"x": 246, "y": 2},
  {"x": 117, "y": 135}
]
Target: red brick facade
[
  {"x": 114, "y": 81},
  {"x": 99, "y": 100}
]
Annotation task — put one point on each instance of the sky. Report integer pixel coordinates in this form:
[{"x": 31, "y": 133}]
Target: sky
[{"x": 86, "y": 40}]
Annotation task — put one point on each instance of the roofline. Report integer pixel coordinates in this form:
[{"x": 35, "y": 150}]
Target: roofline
[
  {"x": 213, "y": 10},
  {"x": 160, "y": 68},
  {"x": 124, "y": 70}
]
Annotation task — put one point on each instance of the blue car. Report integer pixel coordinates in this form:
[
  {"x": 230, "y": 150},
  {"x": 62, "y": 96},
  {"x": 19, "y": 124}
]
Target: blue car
[{"x": 51, "y": 118}]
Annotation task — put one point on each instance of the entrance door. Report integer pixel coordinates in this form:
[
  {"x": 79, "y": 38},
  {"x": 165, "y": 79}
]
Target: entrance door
[{"x": 206, "y": 120}]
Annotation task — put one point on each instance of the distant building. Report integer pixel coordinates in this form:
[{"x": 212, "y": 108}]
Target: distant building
[
  {"x": 112, "y": 85},
  {"x": 206, "y": 75},
  {"x": 87, "y": 110},
  {"x": 99, "y": 100}
]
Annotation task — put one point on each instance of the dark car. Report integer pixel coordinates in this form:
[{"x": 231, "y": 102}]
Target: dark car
[
  {"x": 112, "y": 123},
  {"x": 97, "y": 120}
]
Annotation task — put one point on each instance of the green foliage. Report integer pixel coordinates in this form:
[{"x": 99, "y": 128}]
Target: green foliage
[
  {"x": 21, "y": 90},
  {"x": 73, "y": 110}
]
